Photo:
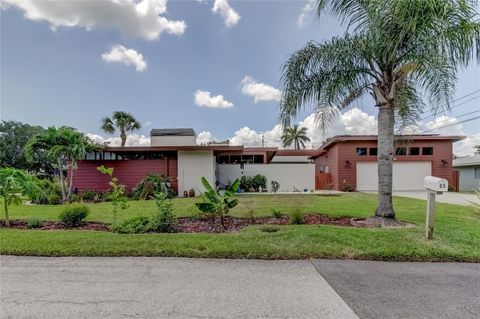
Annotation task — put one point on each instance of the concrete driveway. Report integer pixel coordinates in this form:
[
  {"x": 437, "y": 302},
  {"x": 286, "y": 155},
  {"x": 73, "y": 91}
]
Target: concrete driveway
[
  {"x": 91, "y": 287},
  {"x": 448, "y": 197}
]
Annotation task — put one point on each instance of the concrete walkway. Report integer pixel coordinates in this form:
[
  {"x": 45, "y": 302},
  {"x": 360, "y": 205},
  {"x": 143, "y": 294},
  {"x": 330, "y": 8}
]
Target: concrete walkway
[
  {"x": 447, "y": 197},
  {"x": 35, "y": 287}
]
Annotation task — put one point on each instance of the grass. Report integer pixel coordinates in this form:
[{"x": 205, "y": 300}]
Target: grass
[{"x": 456, "y": 236}]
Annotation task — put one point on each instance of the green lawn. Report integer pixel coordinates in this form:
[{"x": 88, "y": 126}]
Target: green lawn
[{"x": 456, "y": 236}]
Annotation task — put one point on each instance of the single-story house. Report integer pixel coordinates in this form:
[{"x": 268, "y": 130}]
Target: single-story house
[
  {"x": 340, "y": 161},
  {"x": 468, "y": 173}
]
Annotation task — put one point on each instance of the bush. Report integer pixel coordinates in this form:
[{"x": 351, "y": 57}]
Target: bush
[
  {"x": 152, "y": 184},
  {"x": 135, "y": 225},
  {"x": 275, "y": 186},
  {"x": 163, "y": 220},
  {"x": 54, "y": 199},
  {"x": 253, "y": 183},
  {"x": 246, "y": 183},
  {"x": 34, "y": 222},
  {"x": 276, "y": 213},
  {"x": 73, "y": 215},
  {"x": 296, "y": 218},
  {"x": 348, "y": 188},
  {"x": 259, "y": 181},
  {"x": 88, "y": 195},
  {"x": 51, "y": 193}
]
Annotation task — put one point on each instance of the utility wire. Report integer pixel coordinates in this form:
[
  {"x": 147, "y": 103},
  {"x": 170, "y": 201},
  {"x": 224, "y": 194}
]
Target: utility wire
[
  {"x": 456, "y": 117},
  {"x": 453, "y": 124},
  {"x": 453, "y": 107},
  {"x": 458, "y": 99}
]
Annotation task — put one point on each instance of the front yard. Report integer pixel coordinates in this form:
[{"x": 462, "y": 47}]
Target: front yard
[{"x": 456, "y": 237}]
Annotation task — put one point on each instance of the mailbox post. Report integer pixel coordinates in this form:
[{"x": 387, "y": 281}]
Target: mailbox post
[{"x": 434, "y": 186}]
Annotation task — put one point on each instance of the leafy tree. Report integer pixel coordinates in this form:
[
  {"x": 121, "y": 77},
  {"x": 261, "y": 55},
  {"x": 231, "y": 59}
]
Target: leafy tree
[
  {"x": 14, "y": 183},
  {"x": 477, "y": 149},
  {"x": 63, "y": 146},
  {"x": 121, "y": 121},
  {"x": 216, "y": 204},
  {"x": 295, "y": 135},
  {"x": 116, "y": 194},
  {"x": 402, "y": 53},
  {"x": 13, "y": 138}
]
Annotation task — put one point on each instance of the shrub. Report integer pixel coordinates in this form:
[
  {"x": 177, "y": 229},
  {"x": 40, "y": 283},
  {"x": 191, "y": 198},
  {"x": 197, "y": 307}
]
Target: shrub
[
  {"x": 73, "y": 215},
  {"x": 34, "y": 222},
  {"x": 251, "y": 216},
  {"x": 296, "y": 218},
  {"x": 152, "y": 184},
  {"x": 276, "y": 213},
  {"x": 135, "y": 225},
  {"x": 51, "y": 193},
  {"x": 275, "y": 186},
  {"x": 259, "y": 181},
  {"x": 54, "y": 199},
  {"x": 88, "y": 195},
  {"x": 348, "y": 188},
  {"x": 163, "y": 220},
  {"x": 246, "y": 183}
]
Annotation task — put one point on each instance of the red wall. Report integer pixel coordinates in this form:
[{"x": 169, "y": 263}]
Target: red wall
[
  {"x": 128, "y": 172},
  {"x": 344, "y": 173}
]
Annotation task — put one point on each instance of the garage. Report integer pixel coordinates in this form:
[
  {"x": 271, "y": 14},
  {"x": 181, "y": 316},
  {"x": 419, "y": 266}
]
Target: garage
[{"x": 406, "y": 175}]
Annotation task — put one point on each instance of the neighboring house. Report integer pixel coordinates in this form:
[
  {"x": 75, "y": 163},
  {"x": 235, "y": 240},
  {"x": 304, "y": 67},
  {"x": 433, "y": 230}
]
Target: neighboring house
[
  {"x": 468, "y": 173},
  {"x": 350, "y": 161},
  {"x": 341, "y": 161}
]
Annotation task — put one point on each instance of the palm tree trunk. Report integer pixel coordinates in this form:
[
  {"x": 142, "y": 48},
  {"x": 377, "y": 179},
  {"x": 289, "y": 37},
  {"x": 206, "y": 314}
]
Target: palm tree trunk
[
  {"x": 70, "y": 186},
  {"x": 123, "y": 136},
  {"x": 5, "y": 205},
  {"x": 386, "y": 120},
  {"x": 62, "y": 181}
]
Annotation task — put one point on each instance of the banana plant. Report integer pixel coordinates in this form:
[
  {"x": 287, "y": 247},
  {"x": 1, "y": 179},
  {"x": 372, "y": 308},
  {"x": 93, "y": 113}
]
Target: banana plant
[{"x": 216, "y": 204}]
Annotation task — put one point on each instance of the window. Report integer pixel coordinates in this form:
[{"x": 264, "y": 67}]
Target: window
[
  {"x": 223, "y": 159},
  {"x": 235, "y": 159},
  {"x": 361, "y": 151},
  {"x": 476, "y": 173},
  {"x": 401, "y": 151},
  {"x": 414, "y": 151},
  {"x": 372, "y": 151},
  {"x": 258, "y": 159},
  {"x": 427, "y": 150},
  {"x": 247, "y": 158}
]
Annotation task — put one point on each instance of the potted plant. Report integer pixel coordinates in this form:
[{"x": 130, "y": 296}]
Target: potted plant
[{"x": 191, "y": 192}]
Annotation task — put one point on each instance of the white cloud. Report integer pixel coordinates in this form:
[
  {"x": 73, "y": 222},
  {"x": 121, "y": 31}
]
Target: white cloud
[
  {"x": 121, "y": 54},
  {"x": 230, "y": 16},
  {"x": 140, "y": 19},
  {"x": 307, "y": 12},
  {"x": 260, "y": 91},
  {"x": 204, "y": 138},
  {"x": 132, "y": 140},
  {"x": 147, "y": 123},
  {"x": 203, "y": 98}
]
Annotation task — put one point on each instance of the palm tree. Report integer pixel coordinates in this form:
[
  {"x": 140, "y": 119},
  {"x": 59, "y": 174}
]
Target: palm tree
[
  {"x": 64, "y": 146},
  {"x": 14, "y": 183},
  {"x": 121, "y": 121},
  {"x": 296, "y": 135},
  {"x": 403, "y": 53}
]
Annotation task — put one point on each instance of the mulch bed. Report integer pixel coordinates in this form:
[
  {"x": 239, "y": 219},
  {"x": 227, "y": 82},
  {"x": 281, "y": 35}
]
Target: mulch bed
[
  {"x": 51, "y": 225},
  {"x": 195, "y": 225}
]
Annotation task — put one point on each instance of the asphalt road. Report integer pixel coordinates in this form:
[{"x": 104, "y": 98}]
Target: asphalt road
[{"x": 91, "y": 287}]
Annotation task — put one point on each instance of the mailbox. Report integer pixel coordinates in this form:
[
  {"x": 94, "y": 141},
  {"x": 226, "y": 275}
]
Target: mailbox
[{"x": 435, "y": 184}]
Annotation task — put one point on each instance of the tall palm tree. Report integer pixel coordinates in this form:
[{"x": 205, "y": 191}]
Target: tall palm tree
[
  {"x": 296, "y": 135},
  {"x": 121, "y": 121},
  {"x": 403, "y": 53}
]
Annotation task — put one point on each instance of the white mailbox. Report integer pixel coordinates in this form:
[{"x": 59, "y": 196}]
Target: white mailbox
[{"x": 435, "y": 184}]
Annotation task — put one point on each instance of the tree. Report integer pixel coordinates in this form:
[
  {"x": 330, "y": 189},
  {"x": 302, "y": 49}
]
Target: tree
[
  {"x": 63, "y": 146},
  {"x": 14, "y": 183},
  {"x": 403, "y": 53},
  {"x": 295, "y": 135},
  {"x": 121, "y": 121},
  {"x": 116, "y": 194},
  {"x": 13, "y": 138}
]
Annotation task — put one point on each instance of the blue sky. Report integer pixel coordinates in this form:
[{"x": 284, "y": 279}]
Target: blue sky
[{"x": 57, "y": 76}]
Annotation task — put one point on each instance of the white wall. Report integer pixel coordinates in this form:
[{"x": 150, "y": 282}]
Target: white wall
[
  {"x": 289, "y": 176},
  {"x": 169, "y": 140},
  {"x": 192, "y": 166}
]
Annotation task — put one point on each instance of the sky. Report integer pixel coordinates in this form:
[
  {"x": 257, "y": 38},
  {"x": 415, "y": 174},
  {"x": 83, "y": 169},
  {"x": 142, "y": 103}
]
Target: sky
[{"x": 214, "y": 66}]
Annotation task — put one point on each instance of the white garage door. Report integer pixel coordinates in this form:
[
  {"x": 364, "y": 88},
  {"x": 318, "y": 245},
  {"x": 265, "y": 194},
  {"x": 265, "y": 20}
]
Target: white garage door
[{"x": 406, "y": 175}]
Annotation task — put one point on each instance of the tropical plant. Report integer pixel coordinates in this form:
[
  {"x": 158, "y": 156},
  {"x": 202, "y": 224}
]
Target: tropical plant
[
  {"x": 218, "y": 205},
  {"x": 275, "y": 186},
  {"x": 134, "y": 225},
  {"x": 13, "y": 184},
  {"x": 64, "y": 146},
  {"x": 295, "y": 135},
  {"x": 397, "y": 51},
  {"x": 151, "y": 185},
  {"x": 121, "y": 121},
  {"x": 116, "y": 194},
  {"x": 297, "y": 217}
]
